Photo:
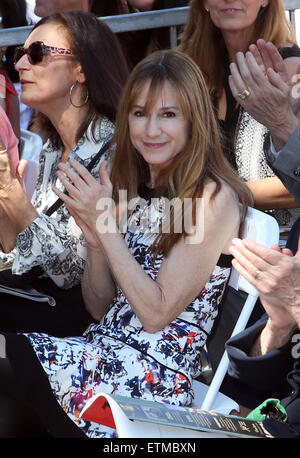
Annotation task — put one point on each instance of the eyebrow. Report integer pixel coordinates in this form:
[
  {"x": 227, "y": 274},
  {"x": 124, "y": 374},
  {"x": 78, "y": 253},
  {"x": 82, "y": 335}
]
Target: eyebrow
[{"x": 161, "y": 108}]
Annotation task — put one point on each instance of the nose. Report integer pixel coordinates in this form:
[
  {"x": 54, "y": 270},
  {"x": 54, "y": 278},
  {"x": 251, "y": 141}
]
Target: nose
[
  {"x": 153, "y": 128},
  {"x": 22, "y": 64}
]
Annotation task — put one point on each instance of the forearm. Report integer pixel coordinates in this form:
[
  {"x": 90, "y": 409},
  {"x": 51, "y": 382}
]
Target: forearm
[
  {"x": 7, "y": 233},
  {"x": 270, "y": 193},
  {"x": 98, "y": 287},
  {"x": 143, "y": 294}
]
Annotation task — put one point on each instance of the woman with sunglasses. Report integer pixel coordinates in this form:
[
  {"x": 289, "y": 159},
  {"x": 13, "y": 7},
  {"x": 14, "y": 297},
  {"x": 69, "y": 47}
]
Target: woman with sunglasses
[{"x": 72, "y": 72}]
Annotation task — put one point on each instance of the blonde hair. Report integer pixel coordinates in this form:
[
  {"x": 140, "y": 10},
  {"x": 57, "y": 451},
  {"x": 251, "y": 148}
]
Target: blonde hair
[
  {"x": 202, "y": 158},
  {"x": 204, "y": 42}
]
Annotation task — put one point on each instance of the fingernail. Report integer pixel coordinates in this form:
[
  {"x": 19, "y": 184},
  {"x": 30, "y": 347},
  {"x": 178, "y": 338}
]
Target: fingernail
[{"x": 237, "y": 241}]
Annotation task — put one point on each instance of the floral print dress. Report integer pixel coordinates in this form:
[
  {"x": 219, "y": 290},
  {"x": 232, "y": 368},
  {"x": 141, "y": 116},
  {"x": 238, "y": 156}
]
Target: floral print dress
[
  {"x": 117, "y": 355},
  {"x": 55, "y": 243}
]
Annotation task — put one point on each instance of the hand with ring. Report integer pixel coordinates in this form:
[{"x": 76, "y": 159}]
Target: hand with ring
[
  {"x": 275, "y": 274},
  {"x": 244, "y": 94},
  {"x": 261, "y": 83}
]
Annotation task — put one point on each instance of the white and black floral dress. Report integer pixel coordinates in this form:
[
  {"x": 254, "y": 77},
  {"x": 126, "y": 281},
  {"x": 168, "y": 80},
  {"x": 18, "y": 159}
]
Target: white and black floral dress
[
  {"x": 55, "y": 242},
  {"x": 117, "y": 355},
  {"x": 51, "y": 251}
]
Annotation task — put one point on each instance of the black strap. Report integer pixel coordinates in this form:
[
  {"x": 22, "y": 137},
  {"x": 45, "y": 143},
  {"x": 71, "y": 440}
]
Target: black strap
[
  {"x": 290, "y": 51},
  {"x": 58, "y": 203}
]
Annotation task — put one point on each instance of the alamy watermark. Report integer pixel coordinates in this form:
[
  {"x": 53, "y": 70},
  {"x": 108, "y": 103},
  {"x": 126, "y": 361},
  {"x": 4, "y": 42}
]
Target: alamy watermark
[
  {"x": 296, "y": 347},
  {"x": 295, "y": 92},
  {"x": 160, "y": 216}
]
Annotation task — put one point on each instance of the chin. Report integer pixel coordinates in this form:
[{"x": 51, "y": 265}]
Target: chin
[
  {"x": 41, "y": 12},
  {"x": 30, "y": 102}
]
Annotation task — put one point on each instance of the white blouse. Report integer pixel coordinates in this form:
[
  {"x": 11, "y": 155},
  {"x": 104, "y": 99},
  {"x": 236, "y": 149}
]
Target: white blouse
[{"x": 55, "y": 243}]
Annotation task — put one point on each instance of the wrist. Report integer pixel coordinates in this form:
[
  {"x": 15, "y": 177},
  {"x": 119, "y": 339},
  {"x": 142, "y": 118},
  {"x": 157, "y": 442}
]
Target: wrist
[
  {"x": 9, "y": 189},
  {"x": 281, "y": 133},
  {"x": 274, "y": 336},
  {"x": 106, "y": 227},
  {"x": 93, "y": 248}
]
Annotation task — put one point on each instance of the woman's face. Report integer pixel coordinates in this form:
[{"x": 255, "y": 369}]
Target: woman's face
[
  {"x": 46, "y": 85},
  {"x": 161, "y": 134},
  {"x": 46, "y": 7},
  {"x": 234, "y": 15}
]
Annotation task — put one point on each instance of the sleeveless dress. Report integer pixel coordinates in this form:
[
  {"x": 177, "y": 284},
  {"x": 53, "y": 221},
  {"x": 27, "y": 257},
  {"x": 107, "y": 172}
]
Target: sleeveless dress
[{"x": 117, "y": 355}]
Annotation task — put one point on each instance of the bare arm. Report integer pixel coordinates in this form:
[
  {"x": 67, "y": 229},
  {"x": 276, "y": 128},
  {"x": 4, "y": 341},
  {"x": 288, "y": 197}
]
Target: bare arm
[
  {"x": 98, "y": 287},
  {"x": 157, "y": 303},
  {"x": 269, "y": 193}
]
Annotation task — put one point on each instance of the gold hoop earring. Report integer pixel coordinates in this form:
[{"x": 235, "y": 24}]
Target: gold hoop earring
[{"x": 70, "y": 96}]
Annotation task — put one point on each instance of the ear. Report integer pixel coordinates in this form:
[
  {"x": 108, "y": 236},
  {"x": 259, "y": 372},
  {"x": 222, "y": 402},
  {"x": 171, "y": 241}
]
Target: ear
[
  {"x": 205, "y": 4},
  {"x": 79, "y": 75},
  {"x": 265, "y": 3}
]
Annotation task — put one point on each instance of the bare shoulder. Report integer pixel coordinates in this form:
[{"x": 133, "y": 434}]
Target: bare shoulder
[
  {"x": 225, "y": 200},
  {"x": 221, "y": 209}
]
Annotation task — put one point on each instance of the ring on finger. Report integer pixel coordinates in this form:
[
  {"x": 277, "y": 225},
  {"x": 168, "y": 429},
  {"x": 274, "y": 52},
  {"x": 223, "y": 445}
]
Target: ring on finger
[
  {"x": 256, "y": 274},
  {"x": 244, "y": 94}
]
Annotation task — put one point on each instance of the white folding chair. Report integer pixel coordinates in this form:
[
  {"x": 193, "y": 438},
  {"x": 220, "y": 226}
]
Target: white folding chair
[
  {"x": 263, "y": 229},
  {"x": 30, "y": 148}
]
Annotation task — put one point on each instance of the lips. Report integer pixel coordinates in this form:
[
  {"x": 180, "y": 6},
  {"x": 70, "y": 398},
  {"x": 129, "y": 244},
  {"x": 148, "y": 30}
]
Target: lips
[
  {"x": 154, "y": 145},
  {"x": 231, "y": 10},
  {"x": 24, "y": 81}
]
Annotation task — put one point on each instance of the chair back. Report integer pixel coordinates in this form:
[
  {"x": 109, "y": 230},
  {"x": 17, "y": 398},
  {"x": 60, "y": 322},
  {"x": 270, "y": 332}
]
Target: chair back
[{"x": 262, "y": 228}]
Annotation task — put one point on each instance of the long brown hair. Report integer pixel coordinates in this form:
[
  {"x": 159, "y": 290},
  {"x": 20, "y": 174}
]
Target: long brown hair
[
  {"x": 204, "y": 42},
  {"x": 201, "y": 160}
]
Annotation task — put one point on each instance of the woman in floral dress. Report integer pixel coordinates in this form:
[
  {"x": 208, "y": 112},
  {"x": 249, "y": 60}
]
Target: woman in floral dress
[
  {"x": 60, "y": 65},
  {"x": 158, "y": 228}
]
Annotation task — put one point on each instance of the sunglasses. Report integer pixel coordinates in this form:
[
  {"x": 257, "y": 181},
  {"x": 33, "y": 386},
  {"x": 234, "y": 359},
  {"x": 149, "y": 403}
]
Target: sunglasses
[{"x": 36, "y": 52}]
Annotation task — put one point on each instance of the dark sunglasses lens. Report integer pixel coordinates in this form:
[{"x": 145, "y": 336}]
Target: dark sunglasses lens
[
  {"x": 19, "y": 52},
  {"x": 35, "y": 53}
]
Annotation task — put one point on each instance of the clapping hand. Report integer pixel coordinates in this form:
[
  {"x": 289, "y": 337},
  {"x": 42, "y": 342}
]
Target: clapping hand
[
  {"x": 9, "y": 174},
  {"x": 89, "y": 201},
  {"x": 261, "y": 84},
  {"x": 275, "y": 274},
  {"x": 269, "y": 59}
]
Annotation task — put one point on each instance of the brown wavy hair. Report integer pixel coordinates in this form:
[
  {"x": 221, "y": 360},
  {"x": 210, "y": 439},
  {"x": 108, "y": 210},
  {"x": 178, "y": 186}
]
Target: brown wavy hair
[
  {"x": 204, "y": 43},
  {"x": 201, "y": 160}
]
